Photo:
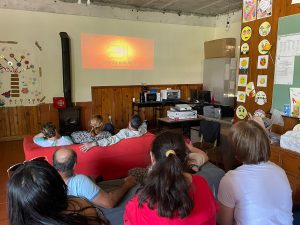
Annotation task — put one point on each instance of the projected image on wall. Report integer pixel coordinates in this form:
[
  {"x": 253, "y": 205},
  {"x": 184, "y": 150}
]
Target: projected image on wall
[{"x": 116, "y": 52}]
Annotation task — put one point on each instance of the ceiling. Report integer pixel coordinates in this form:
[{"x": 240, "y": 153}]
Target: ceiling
[{"x": 186, "y": 7}]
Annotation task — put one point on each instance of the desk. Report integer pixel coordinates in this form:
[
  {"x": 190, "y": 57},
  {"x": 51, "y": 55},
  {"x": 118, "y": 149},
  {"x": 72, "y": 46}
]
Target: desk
[
  {"x": 185, "y": 124},
  {"x": 157, "y": 106}
]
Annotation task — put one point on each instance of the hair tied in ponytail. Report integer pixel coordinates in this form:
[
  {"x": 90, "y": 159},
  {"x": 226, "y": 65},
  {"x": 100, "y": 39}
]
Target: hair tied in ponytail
[{"x": 170, "y": 152}]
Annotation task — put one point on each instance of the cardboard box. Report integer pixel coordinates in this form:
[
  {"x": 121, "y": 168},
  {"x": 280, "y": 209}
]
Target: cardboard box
[{"x": 220, "y": 48}]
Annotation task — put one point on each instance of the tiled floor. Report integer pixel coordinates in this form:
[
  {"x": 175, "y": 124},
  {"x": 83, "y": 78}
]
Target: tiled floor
[{"x": 10, "y": 153}]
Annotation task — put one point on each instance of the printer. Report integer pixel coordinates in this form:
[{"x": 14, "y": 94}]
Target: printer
[
  {"x": 182, "y": 111},
  {"x": 182, "y": 107}
]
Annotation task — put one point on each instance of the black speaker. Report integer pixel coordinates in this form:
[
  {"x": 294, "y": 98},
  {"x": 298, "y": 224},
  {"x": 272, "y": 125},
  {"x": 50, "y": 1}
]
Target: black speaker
[{"x": 65, "y": 47}]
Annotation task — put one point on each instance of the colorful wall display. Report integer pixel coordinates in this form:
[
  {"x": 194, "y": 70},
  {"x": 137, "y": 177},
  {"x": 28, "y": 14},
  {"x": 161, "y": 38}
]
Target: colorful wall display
[
  {"x": 244, "y": 65},
  {"x": 260, "y": 113},
  {"x": 241, "y": 96},
  {"x": 242, "y": 80},
  {"x": 241, "y": 112},
  {"x": 264, "y": 9},
  {"x": 262, "y": 61},
  {"x": 264, "y": 29},
  {"x": 264, "y": 47},
  {"x": 20, "y": 77},
  {"x": 246, "y": 33},
  {"x": 262, "y": 80},
  {"x": 249, "y": 10},
  {"x": 295, "y": 102},
  {"x": 250, "y": 90},
  {"x": 245, "y": 48},
  {"x": 261, "y": 98}
]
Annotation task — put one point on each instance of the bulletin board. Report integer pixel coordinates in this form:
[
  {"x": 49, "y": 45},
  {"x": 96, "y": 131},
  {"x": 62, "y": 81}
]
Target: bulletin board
[{"x": 287, "y": 27}]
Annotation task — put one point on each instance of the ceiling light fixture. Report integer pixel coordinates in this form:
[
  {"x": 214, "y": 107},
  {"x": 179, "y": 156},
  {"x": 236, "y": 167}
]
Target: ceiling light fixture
[
  {"x": 79, "y": 2},
  {"x": 88, "y": 2},
  {"x": 227, "y": 27}
]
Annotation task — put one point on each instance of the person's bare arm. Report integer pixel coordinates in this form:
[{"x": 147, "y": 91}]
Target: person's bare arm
[
  {"x": 39, "y": 135},
  {"x": 87, "y": 146},
  {"x": 193, "y": 149},
  {"x": 225, "y": 215},
  {"x": 110, "y": 199}
]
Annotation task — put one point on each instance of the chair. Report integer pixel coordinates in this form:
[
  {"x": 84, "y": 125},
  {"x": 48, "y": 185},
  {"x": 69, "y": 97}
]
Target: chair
[{"x": 209, "y": 133}]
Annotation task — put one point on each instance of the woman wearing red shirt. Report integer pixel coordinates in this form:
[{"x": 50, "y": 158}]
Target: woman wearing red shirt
[{"x": 170, "y": 195}]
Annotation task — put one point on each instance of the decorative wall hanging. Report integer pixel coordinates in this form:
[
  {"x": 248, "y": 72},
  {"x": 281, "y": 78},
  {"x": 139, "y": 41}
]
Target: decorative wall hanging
[
  {"x": 260, "y": 113},
  {"x": 264, "y": 9},
  {"x": 246, "y": 33},
  {"x": 19, "y": 76},
  {"x": 264, "y": 29},
  {"x": 249, "y": 10},
  {"x": 241, "y": 112},
  {"x": 261, "y": 98},
  {"x": 262, "y": 81},
  {"x": 244, "y": 65},
  {"x": 245, "y": 48},
  {"x": 295, "y": 102},
  {"x": 241, "y": 96},
  {"x": 262, "y": 61},
  {"x": 264, "y": 47},
  {"x": 250, "y": 90},
  {"x": 242, "y": 82}
]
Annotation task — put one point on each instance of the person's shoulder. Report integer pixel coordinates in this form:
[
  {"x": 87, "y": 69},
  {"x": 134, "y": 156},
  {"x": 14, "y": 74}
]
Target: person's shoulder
[
  {"x": 82, "y": 205},
  {"x": 198, "y": 180},
  {"x": 39, "y": 139}
]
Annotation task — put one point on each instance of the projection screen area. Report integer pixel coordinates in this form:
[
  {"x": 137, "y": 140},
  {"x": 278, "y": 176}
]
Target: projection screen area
[{"x": 116, "y": 52}]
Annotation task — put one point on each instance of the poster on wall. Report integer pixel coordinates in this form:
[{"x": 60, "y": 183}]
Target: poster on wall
[
  {"x": 295, "y": 102},
  {"x": 262, "y": 61},
  {"x": 262, "y": 80},
  {"x": 249, "y": 10},
  {"x": 20, "y": 77},
  {"x": 264, "y": 9},
  {"x": 241, "y": 96},
  {"x": 242, "y": 81},
  {"x": 244, "y": 65}
]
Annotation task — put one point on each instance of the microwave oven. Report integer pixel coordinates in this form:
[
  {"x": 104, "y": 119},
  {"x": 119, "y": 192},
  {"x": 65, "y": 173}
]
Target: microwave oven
[{"x": 169, "y": 95}]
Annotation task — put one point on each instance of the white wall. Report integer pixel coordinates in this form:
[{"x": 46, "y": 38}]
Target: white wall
[
  {"x": 233, "y": 31},
  {"x": 178, "y": 49}
]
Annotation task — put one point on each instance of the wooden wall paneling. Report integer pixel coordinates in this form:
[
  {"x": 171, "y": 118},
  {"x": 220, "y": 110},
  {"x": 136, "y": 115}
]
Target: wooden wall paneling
[
  {"x": 280, "y": 8},
  {"x": 117, "y": 101},
  {"x": 96, "y": 103},
  {"x": 128, "y": 93},
  {"x": 85, "y": 114},
  {"x": 48, "y": 114},
  {"x": 4, "y": 123}
]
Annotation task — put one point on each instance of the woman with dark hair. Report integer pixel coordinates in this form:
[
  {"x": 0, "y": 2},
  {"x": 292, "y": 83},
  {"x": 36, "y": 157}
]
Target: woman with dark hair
[
  {"x": 258, "y": 192},
  {"x": 38, "y": 195},
  {"x": 170, "y": 195}
]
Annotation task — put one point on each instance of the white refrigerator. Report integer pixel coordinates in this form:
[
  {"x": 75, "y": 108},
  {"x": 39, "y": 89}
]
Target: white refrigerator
[{"x": 219, "y": 77}]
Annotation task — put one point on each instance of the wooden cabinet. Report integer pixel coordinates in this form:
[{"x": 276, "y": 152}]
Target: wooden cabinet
[{"x": 290, "y": 162}]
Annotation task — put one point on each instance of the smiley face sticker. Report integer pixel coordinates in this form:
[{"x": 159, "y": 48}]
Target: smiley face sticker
[
  {"x": 241, "y": 112},
  {"x": 246, "y": 33},
  {"x": 245, "y": 48},
  {"x": 261, "y": 98},
  {"x": 241, "y": 96},
  {"x": 264, "y": 47},
  {"x": 264, "y": 29}
]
